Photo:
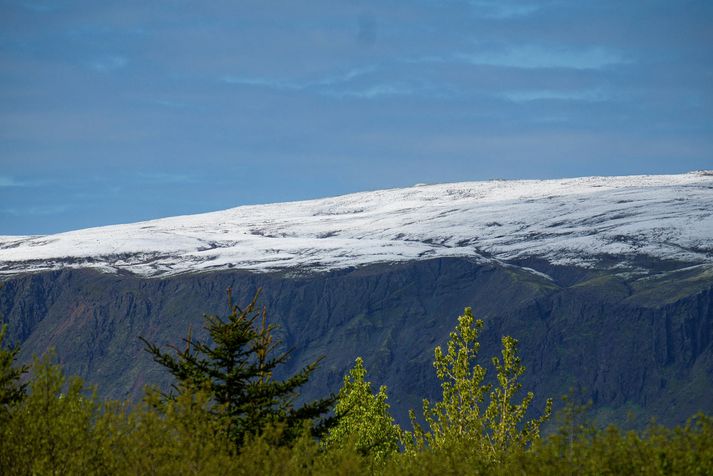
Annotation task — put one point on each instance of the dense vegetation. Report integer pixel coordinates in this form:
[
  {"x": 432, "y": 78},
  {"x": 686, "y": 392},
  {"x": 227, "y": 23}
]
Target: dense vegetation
[{"x": 228, "y": 415}]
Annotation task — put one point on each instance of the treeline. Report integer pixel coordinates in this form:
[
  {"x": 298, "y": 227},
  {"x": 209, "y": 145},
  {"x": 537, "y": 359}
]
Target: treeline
[{"x": 227, "y": 414}]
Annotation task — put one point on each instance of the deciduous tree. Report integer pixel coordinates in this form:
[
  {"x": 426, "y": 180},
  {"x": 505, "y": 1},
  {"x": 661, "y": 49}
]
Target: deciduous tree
[
  {"x": 459, "y": 417},
  {"x": 364, "y": 419}
]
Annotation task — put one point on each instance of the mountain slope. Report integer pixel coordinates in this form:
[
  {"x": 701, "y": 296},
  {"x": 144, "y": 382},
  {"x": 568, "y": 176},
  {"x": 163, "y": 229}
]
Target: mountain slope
[{"x": 607, "y": 282}]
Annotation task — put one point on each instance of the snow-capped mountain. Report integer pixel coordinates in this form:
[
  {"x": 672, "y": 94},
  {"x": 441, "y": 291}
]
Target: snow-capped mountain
[
  {"x": 569, "y": 222},
  {"x": 606, "y": 281}
]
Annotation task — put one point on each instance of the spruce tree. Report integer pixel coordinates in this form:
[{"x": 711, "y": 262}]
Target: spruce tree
[{"x": 235, "y": 365}]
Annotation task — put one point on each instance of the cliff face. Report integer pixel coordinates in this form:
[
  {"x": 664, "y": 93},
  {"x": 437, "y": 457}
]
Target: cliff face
[{"x": 628, "y": 344}]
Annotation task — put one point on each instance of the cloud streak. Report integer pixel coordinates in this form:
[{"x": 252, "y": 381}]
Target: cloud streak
[
  {"x": 160, "y": 178},
  {"x": 358, "y": 83},
  {"x": 7, "y": 182},
  {"x": 375, "y": 91},
  {"x": 592, "y": 95},
  {"x": 10, "y": 182},
  {"x": 39, "y": 7},
  {"x": 502, "y": 10},
  {"x": 36, "y": 210},
  {"x": 532, "y": 57},
  {"x": 109, "y": 64},
  {"x": 300, "y": 85}
]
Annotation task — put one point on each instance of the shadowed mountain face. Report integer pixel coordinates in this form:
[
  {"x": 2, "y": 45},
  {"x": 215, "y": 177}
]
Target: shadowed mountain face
[{"x": 628, "y": 343}]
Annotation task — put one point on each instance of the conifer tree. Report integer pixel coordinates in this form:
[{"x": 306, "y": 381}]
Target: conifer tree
[{"x": 236, "y": 367}]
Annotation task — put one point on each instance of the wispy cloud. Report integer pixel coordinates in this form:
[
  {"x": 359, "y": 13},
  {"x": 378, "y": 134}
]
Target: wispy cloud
[
  {"x": 500, "y": 9},
  {"x": 36, "y": 210},
  {"x": 9, "y": 182},
  {"x": 168, "y": 103},
  {"x": 396, "y": 88},
  {"x": 377, "y": 90},
  {"x": 166, "y": 178},
  {"x": 592, "y": 95},
  {"x": 300, "y": 85},
  {"x": 532, "y": 57},
  {"x": 109, "y": 63},
  {"x": 39, "y": 7},
  {"x": 263, "y": 82},
  {"x": 351, "y": 84},
  {"x": 6, "y": 181}
]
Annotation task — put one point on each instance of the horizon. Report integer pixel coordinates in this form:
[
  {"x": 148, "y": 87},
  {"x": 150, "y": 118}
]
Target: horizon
[{"x": 121, "y": 112}]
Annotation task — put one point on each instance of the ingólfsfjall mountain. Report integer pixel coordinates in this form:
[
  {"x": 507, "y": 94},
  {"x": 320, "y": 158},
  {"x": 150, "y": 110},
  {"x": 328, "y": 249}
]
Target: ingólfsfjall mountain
[{"x": 607, "y": 282}]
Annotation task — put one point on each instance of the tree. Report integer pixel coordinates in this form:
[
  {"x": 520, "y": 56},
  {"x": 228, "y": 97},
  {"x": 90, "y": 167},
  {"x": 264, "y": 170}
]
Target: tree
[
  {"x": 458, "y": 416},
  {"x": 53, "y": 430},
  {"x": 502, "y": 415},
  {"x": 11, "y": 390},
  {"x": 235, "y": 366},
  {"x": 364, "y": 419}
]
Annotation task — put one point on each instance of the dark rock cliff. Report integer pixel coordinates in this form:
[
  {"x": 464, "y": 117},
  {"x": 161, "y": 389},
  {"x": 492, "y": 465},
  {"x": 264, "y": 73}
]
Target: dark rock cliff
[{"x": 641, "y": 345}]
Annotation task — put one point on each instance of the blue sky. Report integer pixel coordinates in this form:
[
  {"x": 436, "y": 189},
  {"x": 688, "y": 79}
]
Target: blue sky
[{"x": 114, "y": 112}]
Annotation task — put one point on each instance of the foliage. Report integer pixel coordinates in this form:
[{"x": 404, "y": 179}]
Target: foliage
[
  {"x": 458, "y": 417},
  {"x": 60, "y": 427},
  {"x": 175, "y": 436},
  {"x": 235, "y": 366},
  {"x": 502, "y": 416},
  {"x": 52, "y": 430},
  {"x": 364, "y": 419},
  {"x": 685, "y": 450},
  {"x": 56, "y": 431},
  {"x": 11, "y": 389}
]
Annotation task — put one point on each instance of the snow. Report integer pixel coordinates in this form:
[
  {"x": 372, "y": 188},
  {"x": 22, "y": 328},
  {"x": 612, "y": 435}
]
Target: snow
[{"x": 567, "y": 222}]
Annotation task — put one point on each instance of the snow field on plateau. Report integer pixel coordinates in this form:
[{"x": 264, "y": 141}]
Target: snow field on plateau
[{"x": 566, "y": 222}]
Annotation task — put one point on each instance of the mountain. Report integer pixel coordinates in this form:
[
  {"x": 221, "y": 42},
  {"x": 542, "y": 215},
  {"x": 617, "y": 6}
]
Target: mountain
[{"x": 606, "y": 281}]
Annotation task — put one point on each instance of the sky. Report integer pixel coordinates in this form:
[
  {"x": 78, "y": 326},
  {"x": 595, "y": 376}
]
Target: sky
[{"x": 120, "y": 111}]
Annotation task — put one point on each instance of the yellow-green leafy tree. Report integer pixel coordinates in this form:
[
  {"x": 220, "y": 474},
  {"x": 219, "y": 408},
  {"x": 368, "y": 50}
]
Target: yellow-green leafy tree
[
  {"x": 364, "y": 421},
  {"x": 461, "y": 416}
]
